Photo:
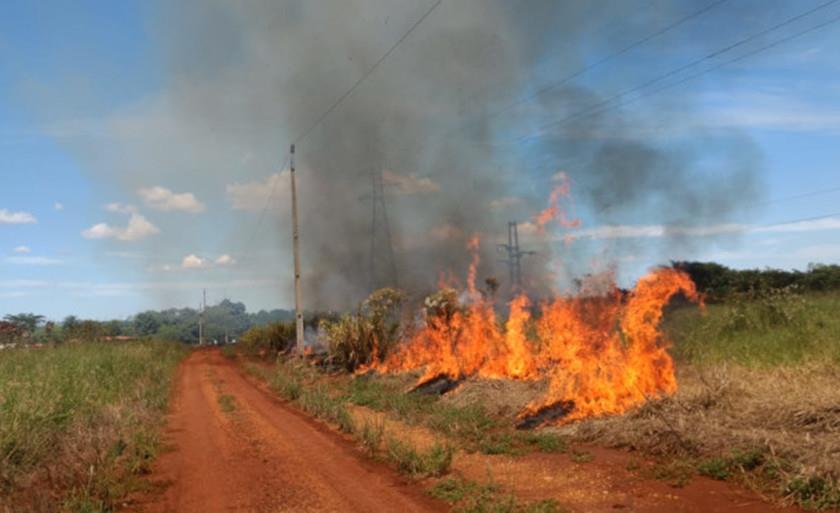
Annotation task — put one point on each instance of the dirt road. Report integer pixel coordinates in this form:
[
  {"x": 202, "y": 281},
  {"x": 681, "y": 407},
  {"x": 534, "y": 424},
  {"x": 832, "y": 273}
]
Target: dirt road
[{"x": 236, "y": 448}]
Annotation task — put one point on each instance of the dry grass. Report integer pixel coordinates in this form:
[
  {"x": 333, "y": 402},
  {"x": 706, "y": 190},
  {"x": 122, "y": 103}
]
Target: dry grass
[{"x": 788, "y": 417}]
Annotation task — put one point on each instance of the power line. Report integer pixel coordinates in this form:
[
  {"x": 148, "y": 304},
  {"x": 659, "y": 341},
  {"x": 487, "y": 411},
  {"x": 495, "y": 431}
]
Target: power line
[
  {"x": 350, "y": 91},
  {"x": 810, "y": 194},
  {"x": 604, "y": 106},
  {"x": 264, "y": 210},
  {"x": 604, "y": 60},
  {"x": 796, "y": 221},
  {"x": 552, "y": 85},
  {"x": 303, "y": 135}
]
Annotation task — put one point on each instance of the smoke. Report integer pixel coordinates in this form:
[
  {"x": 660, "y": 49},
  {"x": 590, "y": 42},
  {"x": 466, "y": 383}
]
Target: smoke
[{"x": 242, "y": 79}]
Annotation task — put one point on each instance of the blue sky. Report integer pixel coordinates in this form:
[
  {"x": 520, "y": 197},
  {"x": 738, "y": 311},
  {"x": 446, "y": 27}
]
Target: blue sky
[{"x": 94, "y": 221}]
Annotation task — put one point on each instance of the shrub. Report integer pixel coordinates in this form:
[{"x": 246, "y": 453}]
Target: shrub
[
  {"x": 268, "y": 340},
  {"x": 357, "y": 339}
]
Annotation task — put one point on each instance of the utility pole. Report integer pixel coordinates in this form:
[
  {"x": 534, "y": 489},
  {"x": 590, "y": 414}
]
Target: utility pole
[
  {"x": 296, "y": 251},
  {"x": 201, "y": 309},
  {"x": 514, "y": 256},
  {"x": 379, "y": 210}
]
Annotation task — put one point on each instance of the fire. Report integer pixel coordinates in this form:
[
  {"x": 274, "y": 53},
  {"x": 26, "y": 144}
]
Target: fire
[
  {"x": 602, "y": 351},
  {"x": 555, "y": 210}
]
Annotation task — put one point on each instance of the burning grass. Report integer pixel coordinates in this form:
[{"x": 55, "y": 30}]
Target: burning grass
[
  {"x": 601, "y": 351},
  {"x": 78, "y": 421}
]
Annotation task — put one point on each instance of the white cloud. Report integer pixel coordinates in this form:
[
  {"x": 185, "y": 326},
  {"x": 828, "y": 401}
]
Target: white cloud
[
  {"x": 22, "y": 250},
  {"x": 254, "y": 196},
  {"x": 138, "y": 226},
  {"x": 8, "y": 217},
  {"x": 32, "y": 260},
  {"x": 659, "y": 230},
  {"x": 225, "y": 260},
  {"x": 193, "y": 261},
  {"x": 58, "y": 206},
  {"x": 655, "y": 230},
  {"x": 408, "y": 185},
  {"x": 121, "y": 208},
  {"x": 161, "y": 198}
]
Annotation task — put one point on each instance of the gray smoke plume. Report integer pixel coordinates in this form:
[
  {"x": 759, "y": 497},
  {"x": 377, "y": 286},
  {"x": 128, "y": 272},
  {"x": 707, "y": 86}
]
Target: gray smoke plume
[{"x": 243, "y": 79}]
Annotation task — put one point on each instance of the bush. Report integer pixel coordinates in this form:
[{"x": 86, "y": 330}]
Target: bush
[
  {"x": 357, "y": 339},
  {"x": 268, "y": 340}
]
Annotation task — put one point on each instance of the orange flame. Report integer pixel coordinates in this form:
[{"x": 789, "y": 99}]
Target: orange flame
[
  {"x": 602, "y": 351},
  {"x": 555, "y": 211}
]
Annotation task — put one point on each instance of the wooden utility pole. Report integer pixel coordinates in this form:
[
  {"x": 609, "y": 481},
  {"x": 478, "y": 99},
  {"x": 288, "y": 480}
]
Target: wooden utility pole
[
  {"x": 296, "y": 251},
  {"x": 202, "y": 307}
]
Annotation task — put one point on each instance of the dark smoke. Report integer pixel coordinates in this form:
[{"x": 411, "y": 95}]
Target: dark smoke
[{"x": 245, "y": 78}]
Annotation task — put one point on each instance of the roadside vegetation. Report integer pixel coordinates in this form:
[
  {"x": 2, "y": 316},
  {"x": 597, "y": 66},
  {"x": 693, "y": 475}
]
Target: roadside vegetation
[
  {"x": 80, "y": 422},
  {"x": 757, "y": 402}
]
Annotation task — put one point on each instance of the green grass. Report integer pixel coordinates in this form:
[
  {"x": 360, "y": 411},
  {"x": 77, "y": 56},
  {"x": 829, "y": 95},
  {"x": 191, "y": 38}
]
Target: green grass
[
  {"x": 92, "y": 411},
  {"x": 470, "y": 497},
  {"x": 776, "y": 329},
  {"x": 433, "y": 462},
  {"x": 227, "y": 403}
]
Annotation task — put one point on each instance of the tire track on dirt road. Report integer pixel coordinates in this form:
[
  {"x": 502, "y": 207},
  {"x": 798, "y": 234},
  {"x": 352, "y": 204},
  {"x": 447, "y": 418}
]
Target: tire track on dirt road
[{"x": 249, "y": 452}]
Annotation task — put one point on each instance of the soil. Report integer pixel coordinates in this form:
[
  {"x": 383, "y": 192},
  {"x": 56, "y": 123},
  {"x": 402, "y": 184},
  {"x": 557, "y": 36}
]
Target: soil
[
  {"x": 250, "y": 452},
  {"x": 262, "y": 454}
]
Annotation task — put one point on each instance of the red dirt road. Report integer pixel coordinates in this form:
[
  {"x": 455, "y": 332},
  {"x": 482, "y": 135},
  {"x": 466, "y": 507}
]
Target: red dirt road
[{"x": 236, "y": 448}]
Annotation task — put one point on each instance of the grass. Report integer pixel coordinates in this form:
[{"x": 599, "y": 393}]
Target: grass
[
  {"x": 227, "y": 403},
  {"x": 757, "y": 399},
  {"x": 80, "y": 421},
  {"x": 757, "y": 403},
  {"x": 778, "y": 329},
  {"x": 296, "y": 383},
  {"x": 470, "y": 497},
  {"x": 433, "y": 462}
]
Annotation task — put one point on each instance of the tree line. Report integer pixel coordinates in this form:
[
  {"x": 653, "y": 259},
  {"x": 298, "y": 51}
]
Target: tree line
[
  {"x": 720, "y": 283},
  {"x": 227, "y": 320}
]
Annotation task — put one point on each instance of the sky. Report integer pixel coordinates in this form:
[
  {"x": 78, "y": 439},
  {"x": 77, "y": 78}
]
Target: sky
[{"x": 123, "y": 189}]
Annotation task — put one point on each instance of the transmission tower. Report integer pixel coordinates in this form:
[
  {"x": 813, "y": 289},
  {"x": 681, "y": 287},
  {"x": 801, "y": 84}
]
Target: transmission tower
[
  {"x": 514, "y": 256},
  {"x": 383, "y": 265}
]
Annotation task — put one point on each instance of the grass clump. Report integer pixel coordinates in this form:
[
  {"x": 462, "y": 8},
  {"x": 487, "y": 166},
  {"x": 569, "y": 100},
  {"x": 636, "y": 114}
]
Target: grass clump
[
  {"x": 379, "y": 396},
  {"x": 814, "y": 492},
  {"x": 545, "y": 442},
  {"x": 82, "y": 420},
  {"x": 433, "y": 462},
  {"x": 371, "y": 435},
  {"x": 470, "y": 497},
  {"x": 317, "y": 401},
  {"x": 676, "y": 472},
  {"x": 227, "y": 403}
]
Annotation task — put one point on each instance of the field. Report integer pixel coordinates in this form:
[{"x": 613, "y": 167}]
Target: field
[
  {"x": 757, "y": 406},
  {"x": 79, "y": 422},
  {"x": 754, "y": 421}
]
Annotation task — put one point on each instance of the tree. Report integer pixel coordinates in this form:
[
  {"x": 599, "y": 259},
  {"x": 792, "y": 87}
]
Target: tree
[
  {"x": 147, "y": 323},
  {"x": 25, "y": 321}
]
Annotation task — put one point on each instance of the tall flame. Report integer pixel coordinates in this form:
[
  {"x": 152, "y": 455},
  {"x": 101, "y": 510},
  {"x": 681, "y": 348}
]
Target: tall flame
[
  {"x": 602, "y": 352},
  {"x": 601, "y": 349}
]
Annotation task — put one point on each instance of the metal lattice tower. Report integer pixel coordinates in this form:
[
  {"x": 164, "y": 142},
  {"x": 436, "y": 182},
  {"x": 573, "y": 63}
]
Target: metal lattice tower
[
  {"x": 383, "y": 264},
  {"x": 514, "y": 256}
]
